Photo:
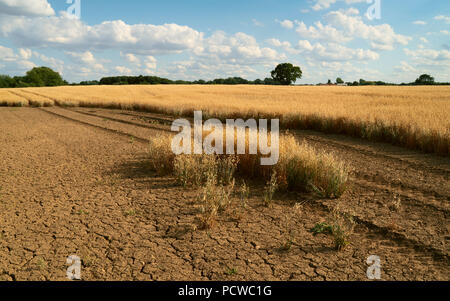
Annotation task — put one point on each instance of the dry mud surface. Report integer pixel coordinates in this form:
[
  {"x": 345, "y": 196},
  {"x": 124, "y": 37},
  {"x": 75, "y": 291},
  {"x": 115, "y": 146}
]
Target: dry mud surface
[{"x": 75, "y": 182}]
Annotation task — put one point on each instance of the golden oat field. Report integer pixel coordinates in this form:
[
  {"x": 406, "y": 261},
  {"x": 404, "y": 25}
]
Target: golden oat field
[{"x": 413, "y": 117}]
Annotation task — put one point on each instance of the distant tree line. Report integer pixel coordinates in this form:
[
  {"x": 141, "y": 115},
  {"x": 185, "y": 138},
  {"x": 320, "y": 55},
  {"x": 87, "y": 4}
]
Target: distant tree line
[
  {"x": 154, "y": 80},
  {"x": 36, "y": 77},
  {"x": 283, "y": 74},
  {"x": 424, "y": 79},
  {"x": 363, "y": 82}
]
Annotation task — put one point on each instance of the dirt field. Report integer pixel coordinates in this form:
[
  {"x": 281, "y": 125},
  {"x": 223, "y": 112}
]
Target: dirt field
[{"x": 75, "y": 182}]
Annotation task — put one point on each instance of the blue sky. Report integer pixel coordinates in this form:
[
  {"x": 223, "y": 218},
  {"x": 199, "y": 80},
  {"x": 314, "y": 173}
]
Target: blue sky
[{"x": 207, "y": 39}]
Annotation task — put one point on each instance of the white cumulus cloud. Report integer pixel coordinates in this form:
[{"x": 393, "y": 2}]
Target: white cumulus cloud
[
  {"x": 322, "y": 32},
  {"x": 381, "y": 36},
  {"x": 123, "y": 70},
  {"x": 336, "y": 52},
  {"x": 7, "y": 54},
  {"x": 26, "y": 8},
  {"x": 419, "y": 22},
  {"x": 443, "y": 18},
  {"x": 239, "y": 48},
  {"x": 85, "y": 59},
  {"x": 287, "y": 24},
  {"x": 71, "y": 34}
]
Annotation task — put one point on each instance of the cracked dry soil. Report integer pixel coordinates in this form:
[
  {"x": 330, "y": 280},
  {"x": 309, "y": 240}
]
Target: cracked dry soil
[{"x": 73, "y": 182}]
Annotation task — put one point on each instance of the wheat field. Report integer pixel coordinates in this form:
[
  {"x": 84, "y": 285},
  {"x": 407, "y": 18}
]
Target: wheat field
[{"x": 413, "y": 117}]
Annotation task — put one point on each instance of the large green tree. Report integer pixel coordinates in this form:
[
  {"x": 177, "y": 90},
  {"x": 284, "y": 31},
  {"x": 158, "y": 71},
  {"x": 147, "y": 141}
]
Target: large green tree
[
  {"x": 425, "y": 79},
  {"x": 44, "y": 77},
  {"x": 6, "y": 82},
  {"x": 286, "y": 73}
]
